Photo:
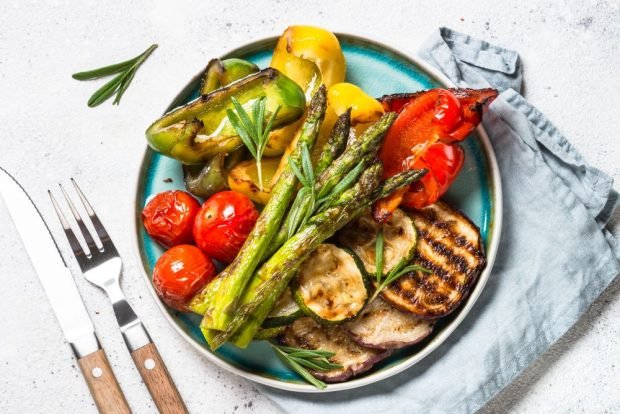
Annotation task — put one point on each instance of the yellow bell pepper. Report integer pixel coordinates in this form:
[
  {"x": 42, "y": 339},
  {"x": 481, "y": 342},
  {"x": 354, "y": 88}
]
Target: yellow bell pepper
[
  {"x": 311, "y": 56},
  {"x": 364, "y": 108}
]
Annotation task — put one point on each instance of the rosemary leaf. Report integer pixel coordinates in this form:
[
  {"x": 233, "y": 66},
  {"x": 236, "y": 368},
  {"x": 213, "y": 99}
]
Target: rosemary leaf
[
  {"x": 123, "y": 86},
  {"x": 246, "y": 122},
  {"x": 309, "y": 208},
  {"x": 105, "y": 71},
  {"x": 243, "y": 134},
  {"x": 395, "y": 275},
  {"x": 258, "y": 113},
  {"x": 297, "y": 171},
  {"x": 344, "y": 184},
  {"x": 106, "y": 91},
  {"x": 306, "y": 163},
  {"x": 379, "y": 255},
  {"x": 298, "y": 212},
  {"x": 308, "y": 353},
  {"x": 316, "y": 364},
  {"x": 318, "y": 353},
  {"x": 270, "y": 124}
]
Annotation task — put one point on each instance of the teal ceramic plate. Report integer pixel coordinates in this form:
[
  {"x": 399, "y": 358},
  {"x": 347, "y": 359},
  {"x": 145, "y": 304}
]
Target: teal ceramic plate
[{"x": 378, "y": 70}]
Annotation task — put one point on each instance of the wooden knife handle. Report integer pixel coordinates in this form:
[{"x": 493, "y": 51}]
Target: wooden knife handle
[
  {"x": 158, "y": 380},
  {"x": 102, "y": 384}
]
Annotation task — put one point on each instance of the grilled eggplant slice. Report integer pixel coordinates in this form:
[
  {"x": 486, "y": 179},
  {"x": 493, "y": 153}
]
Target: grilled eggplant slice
[
  {"x": 355, "y": 359},
  {"x": 330, "y": 287},
  {"x": 399, "y": 236},
  {"x": 382, "y": 326},
  {"x": 284, "y": 312},
  {"x": 450, "y": 246}
]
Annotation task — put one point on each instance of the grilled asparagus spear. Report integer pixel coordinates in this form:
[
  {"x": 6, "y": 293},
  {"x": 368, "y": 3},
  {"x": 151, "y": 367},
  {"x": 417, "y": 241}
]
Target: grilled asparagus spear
[
  {"x": 336, "y": 143},
  {"x": 397, "y": 181},
  {"x": 218, "y": 300}
]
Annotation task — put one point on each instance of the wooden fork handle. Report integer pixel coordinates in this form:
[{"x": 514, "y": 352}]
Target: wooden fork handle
[
  {"x": 102, "y": 384},
  {"x": 157, "y": 379}
]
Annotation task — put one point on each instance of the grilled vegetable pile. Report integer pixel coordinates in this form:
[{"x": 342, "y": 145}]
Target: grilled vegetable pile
[{"x": 331, "y": 270}]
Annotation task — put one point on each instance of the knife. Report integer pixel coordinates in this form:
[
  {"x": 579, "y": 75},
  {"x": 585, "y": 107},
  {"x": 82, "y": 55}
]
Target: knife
[{"x": 64, "y": 297}]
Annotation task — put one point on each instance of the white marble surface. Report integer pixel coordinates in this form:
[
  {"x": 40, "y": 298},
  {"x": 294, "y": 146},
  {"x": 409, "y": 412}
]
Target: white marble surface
[{"x": 571, "y": 57}]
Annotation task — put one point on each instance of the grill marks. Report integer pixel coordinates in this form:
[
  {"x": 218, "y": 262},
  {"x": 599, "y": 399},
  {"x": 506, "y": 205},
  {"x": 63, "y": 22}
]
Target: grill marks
[{"x": 451, "y": 247}]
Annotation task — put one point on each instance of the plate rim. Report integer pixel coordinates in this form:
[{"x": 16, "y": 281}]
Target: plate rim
[{"x": 494, "y": 234}]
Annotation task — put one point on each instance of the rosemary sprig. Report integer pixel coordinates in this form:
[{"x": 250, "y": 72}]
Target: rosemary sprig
[
  {"x": 118, "y": 85},
  {"x": 253, "y": 131},
  {"x": 393, "y": 275},
  {"x": 304, "y": 204},
  {"x": 299, "y": 359}
]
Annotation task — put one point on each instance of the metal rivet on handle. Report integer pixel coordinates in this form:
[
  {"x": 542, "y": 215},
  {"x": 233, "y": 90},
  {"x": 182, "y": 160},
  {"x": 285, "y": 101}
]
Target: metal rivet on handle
[
  {"x": 149, "y": 363},
  {"x": 97, "y": 372}
]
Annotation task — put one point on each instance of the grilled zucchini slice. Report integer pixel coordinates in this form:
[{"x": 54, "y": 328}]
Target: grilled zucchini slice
[
  {"x": 284, "y": 312},
  {"x": 399, "y": 236},
  {"x": 450, "y": 246},
  {"x": 355, "y": 359},
  {"x": 330, "y": 287}
]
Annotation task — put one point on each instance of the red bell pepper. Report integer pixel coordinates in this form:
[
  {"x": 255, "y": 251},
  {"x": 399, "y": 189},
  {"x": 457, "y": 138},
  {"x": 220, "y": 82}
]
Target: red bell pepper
[{"x": 425, "y": 135}]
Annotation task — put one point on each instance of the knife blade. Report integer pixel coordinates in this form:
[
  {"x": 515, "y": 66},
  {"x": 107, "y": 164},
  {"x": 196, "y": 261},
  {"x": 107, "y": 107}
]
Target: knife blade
[
  {"x": 63, "y": 295},
  {"x": 49, "y": 265}
]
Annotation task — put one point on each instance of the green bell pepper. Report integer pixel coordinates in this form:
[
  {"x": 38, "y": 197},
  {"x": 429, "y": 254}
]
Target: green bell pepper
[{"x": 195, "y": 132}]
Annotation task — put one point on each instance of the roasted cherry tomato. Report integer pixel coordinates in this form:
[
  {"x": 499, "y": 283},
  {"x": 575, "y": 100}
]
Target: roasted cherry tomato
[
  {"x": 169, "y": 217},
  {"x": 443, "y": 162},
  {"x": 223, "y": 223},
  {"x": 181, "y": 272},
  {"x": 426, "y": 119}
]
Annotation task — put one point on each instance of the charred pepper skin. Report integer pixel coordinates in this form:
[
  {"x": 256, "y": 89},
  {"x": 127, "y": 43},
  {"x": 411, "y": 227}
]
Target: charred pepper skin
[{"x": 194, "y": 133}]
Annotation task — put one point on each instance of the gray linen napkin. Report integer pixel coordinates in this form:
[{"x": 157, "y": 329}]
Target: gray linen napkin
[{"x": 555, "y": 255}]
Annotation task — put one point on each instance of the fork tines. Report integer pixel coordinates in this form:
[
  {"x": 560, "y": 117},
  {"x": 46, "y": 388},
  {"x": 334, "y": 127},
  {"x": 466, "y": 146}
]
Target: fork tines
[{"x": 94, "y": 246}]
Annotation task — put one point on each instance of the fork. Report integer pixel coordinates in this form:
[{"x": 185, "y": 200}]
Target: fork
[{"x": 101, "y": 265}]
